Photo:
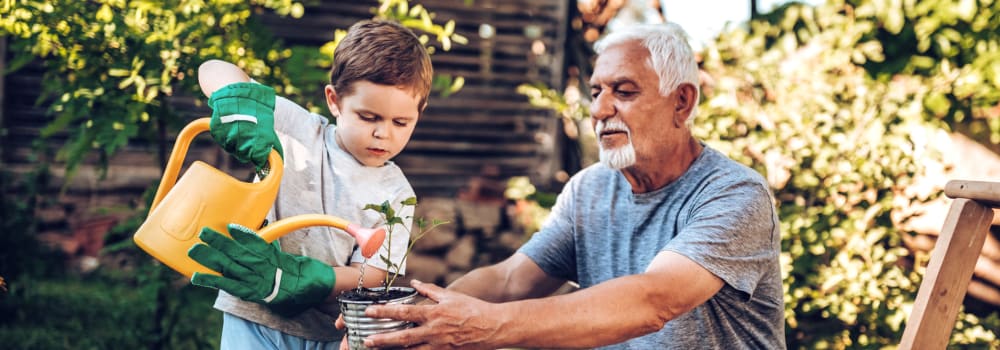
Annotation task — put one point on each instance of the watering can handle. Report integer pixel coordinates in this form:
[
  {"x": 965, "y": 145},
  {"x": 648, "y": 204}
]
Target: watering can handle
[
  {"x": 369, "y": 239},
  {"x": 184, "y": 139}
]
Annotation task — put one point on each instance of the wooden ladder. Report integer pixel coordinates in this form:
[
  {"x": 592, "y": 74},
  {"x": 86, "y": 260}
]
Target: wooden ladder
[{"x": 953, "y": 259}]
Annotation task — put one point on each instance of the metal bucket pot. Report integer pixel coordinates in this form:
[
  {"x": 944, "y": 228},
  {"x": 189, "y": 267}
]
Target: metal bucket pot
[{"x": 360, "y": 326}]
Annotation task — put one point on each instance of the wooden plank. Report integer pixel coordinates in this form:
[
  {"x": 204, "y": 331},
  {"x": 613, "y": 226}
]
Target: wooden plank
[
  {"x": 490, "y": 118},
  {"x": 482, "y": 104},
  {"x": 507, "y": 148},
  {"x": 987, "y": 193},
  {"x": 948, "y": 274},
  {"x": 517, "y": 63},
  {"x": 479, "y": 135},
  {"x": 416, "y": 160},
  {"x": 496, "y": 76},
  {"x": 3, "y": 74}
]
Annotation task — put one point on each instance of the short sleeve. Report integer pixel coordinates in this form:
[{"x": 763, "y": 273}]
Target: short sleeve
[
  {"x": 553, "y": 247},
  {"x": 731, "y": 234},
  {"x": 288, "y": 118}
]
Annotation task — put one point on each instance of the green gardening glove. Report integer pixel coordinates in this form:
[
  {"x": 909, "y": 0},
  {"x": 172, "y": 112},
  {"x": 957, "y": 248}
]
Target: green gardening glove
[
  {"x": 243, "y": 121},
  {"x": 257, "y": 271}
]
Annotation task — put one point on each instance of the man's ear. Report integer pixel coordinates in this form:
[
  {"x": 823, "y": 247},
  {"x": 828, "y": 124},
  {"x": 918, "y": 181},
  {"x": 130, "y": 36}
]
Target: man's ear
[
  {"x": 686, "y": 98},
  {"x": 332, "y": 101}
]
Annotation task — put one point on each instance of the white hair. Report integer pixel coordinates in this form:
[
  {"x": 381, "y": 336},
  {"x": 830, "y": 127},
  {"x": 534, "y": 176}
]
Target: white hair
[{"x": 670, "y": 55}]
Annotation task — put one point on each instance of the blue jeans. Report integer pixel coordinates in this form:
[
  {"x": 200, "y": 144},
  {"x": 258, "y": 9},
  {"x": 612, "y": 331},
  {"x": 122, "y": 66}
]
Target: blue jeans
[{"x": 240, "y": 334}]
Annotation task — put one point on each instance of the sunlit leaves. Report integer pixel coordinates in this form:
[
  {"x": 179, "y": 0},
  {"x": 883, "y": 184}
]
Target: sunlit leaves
[
  {"x": 143, "y": 50},
  {"x": 418, "y": 18},
  {"x": 842, "y": 148}
]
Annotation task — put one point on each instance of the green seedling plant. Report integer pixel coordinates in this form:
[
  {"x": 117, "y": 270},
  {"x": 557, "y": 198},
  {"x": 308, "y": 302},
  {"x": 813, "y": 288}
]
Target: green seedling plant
[{"x": 423, "y": 228}]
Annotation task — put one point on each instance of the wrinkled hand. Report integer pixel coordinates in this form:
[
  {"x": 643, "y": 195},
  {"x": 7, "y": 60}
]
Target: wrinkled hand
[
  {"x": 341, "y": 324},
  {"x": 457, "y": 321},
  {"x": 257, "y": 271},
  {"x": 243, "y": 121}
]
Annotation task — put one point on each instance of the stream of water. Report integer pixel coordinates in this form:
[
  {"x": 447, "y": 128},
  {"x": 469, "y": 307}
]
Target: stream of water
[{"x": 361, "y": 279}]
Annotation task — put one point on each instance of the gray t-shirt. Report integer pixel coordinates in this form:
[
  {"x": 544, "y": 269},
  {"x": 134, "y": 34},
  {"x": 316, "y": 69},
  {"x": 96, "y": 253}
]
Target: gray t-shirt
[
  {"x": 719, "y": 214},
  {"x": 322, "y": 178}
]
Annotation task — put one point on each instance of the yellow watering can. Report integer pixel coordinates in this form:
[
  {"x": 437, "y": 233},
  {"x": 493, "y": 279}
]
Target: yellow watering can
[{"x": 205, "y": 196}]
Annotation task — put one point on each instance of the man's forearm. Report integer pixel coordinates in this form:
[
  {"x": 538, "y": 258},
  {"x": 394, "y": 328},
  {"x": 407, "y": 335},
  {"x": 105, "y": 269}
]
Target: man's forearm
[
  {"x": 486, "y": 283},
  {"x": 604, "y": 314},
  {"x": 516, "y": 278}
]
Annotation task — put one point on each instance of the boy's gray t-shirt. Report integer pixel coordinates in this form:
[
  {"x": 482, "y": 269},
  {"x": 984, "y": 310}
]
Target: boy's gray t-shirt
[
  {"x": 322, "y": 178},
  {"x": 719, "y": 214}
]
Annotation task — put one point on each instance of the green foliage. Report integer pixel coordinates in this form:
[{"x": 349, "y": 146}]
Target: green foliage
[
  {"x": 391, "y": 220},
  {"x": 531, "y": 207},
  {"x": 110, "y": 66},
  {"x": 418, "y": 18},
  {"x": 311, "y": 67},
  {"x": 842, "y": 151},
  {"x": 106, "y": 311},
  {"x": 20, "y": 251},
  {"x": 957, "y": 42},
  {"x": 44, "y": 306}
]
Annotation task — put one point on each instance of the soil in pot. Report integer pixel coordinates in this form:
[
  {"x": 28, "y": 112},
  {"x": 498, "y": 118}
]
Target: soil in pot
[
  {"x": 359, "y": 326},
  {"x": 376, "y": 296}
]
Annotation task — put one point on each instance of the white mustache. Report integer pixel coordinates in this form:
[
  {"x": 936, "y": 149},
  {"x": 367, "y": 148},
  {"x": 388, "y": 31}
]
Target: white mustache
[{"x": 615, "y": 124}]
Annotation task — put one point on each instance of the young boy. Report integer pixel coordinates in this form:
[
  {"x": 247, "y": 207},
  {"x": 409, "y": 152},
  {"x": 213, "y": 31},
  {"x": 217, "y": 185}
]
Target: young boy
[{"x": 285, "y": 298}]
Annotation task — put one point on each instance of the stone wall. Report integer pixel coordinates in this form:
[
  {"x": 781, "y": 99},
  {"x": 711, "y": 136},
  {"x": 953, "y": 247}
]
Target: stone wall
[{"x": 479, "y": 233}]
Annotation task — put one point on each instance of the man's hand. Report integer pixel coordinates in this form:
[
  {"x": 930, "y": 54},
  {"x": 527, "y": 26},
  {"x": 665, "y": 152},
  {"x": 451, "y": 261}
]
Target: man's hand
[
  {"x": 243, "y": 121},
  {"x": 257, "y": 271},
  {"x": 457, "y": 321},
  {"x": 341, "y": 324}
]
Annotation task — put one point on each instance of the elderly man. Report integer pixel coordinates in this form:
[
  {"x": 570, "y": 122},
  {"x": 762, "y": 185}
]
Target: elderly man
[{"x": 674, "y": 245}]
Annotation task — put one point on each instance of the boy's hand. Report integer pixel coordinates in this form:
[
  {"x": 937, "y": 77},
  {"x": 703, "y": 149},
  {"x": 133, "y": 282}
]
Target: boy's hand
[
  {"x": 243, "y": 121},
  {"x": 257, "y": 271}
]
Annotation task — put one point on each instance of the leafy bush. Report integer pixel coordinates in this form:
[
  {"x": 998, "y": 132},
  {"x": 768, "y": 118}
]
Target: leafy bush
[
  {"x": 20, "y": 252},
  {"x": 111, "y": 66},
  {"x": 843, "y": 150},
  {"x": 106, "y": 311}
]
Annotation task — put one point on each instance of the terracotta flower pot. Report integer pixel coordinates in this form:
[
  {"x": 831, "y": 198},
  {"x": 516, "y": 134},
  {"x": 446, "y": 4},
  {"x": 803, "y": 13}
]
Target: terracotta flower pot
[{"x": 359, "y": 326}]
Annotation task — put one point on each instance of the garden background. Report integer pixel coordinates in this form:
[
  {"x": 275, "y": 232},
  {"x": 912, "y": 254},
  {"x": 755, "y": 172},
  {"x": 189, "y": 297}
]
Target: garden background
[{"x": 857, "y": 112}]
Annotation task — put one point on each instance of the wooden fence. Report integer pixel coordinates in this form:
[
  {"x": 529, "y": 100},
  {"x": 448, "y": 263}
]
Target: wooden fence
[{"x": 486, "y": 126}]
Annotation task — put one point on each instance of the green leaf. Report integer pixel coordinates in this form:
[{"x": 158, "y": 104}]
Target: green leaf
[
  {"x": 449, "y": 27},
  {"x": 104, "y": 14}
]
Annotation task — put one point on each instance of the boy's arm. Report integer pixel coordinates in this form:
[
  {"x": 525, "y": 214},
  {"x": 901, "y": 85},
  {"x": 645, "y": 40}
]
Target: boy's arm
[
  {"x": 214, "y": 74},
  {"x": 516, "y": 278},
  {"x": 242, "y": 112},
  {"x": 347, "y": 279}
]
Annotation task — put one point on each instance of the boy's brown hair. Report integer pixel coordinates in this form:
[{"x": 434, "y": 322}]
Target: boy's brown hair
[{"x": 384, "y": 53}]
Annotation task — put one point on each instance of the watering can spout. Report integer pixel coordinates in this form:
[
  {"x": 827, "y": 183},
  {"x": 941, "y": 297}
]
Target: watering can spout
[
  {"x": 369, "y": 239},
  {"x": 208, "y": 197}
]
